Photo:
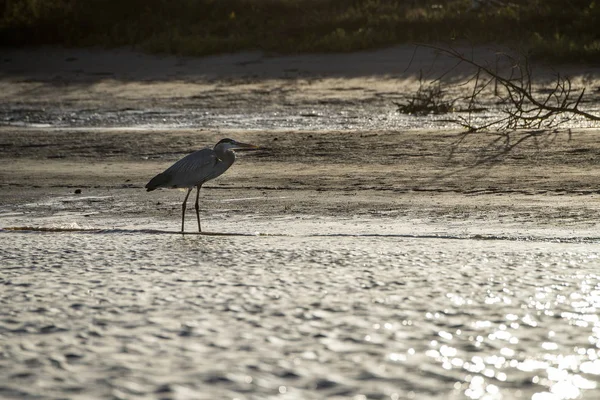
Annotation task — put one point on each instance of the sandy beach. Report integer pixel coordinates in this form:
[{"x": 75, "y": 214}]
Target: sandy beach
[{"x": 375, "y": 161}]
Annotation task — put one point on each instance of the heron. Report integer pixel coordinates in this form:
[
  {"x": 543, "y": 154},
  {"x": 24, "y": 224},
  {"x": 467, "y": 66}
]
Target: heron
[{"x": 196, "y": 169}]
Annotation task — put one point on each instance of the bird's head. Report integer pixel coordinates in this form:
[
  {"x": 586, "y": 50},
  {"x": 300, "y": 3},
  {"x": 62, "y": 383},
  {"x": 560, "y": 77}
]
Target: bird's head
[{"x": 230, "y": 144}]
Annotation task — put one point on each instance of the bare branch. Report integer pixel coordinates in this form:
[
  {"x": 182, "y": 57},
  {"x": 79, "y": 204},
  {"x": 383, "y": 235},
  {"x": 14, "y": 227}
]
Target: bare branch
[{"x": 523, "y": 108}]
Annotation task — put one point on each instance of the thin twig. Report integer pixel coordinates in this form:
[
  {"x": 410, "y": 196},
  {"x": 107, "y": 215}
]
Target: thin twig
[{"x": 522, "y": 108}]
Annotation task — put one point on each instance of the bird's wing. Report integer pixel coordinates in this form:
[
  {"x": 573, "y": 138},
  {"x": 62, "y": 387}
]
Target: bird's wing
[
  {"x": 194, "y": 162},
  {"x": 191, "y": 170}
]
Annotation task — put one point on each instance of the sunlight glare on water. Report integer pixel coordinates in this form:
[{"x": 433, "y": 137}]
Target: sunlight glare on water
[
  {"x": 140, "y": 314},
  {"x": 559, "y": 373}
]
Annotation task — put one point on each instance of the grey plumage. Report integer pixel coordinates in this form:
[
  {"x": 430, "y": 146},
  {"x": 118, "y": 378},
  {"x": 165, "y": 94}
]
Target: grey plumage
[
  {"x": 197, "y": 168},
  {"x": 192, "y": 170}
]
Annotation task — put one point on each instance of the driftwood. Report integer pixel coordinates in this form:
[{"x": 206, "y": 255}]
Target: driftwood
[{"x": 521, "y": 107}]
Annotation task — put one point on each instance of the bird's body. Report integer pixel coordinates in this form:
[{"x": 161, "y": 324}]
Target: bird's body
[
  {"x": 192, "y": 170},
  {"x": 197, "y": 168}
]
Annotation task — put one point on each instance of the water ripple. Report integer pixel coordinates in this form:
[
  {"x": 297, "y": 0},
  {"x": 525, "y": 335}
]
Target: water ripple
[{"x": 136, "y": 313}]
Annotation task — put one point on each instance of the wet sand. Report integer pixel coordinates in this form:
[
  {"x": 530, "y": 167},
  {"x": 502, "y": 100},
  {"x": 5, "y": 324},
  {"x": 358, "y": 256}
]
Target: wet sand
[{"x": 530, "y": 178}]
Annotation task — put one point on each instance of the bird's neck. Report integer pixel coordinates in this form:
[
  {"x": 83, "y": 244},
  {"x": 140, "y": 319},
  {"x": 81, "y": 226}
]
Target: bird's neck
[{"x": 227, "y": 157}]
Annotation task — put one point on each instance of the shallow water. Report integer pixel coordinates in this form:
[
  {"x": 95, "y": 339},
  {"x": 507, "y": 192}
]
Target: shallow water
[
  {"x": 297, "y": 307},
  {"x": 345, "y": 115}
]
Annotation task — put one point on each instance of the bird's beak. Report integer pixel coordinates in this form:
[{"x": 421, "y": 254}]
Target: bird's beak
[{"x": 245, "y": 146}]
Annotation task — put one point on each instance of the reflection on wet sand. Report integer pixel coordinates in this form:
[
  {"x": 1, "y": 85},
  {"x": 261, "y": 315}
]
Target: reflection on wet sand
[
  {"x": 446, "y": 236},
  {"x": 122, "y": 231}
]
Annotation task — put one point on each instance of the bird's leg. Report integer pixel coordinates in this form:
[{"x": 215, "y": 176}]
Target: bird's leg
[
  {"x": 183, "y": 207},
  {"x": 198, "y": 208}
]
